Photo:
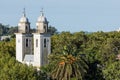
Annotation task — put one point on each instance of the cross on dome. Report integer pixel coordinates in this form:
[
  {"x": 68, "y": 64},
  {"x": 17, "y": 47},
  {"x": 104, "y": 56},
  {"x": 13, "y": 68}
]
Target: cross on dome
[
  {"x": 24, "y": 18},
  {"x": 42, "y": 13},
  {"x": 42, "y": 18},
  {"x": 24, "y": 13}
]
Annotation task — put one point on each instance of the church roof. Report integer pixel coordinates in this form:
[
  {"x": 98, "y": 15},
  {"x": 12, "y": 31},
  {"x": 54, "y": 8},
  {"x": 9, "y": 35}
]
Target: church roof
[{"x": 29, "y": 58}]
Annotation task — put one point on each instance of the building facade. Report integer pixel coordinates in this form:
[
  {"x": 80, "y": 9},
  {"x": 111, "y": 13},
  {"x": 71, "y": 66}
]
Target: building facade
[{"x": 33, "y": 48}]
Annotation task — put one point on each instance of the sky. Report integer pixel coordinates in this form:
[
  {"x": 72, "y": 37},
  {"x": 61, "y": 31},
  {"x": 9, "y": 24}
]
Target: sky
[{"x": 65, "y": 15}]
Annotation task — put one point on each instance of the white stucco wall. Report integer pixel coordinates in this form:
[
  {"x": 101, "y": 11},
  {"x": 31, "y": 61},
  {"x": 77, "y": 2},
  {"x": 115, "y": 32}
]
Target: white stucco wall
[
  {"x": 41, "y": 52},
  {"x": 37, "y": 50},
  {"x": 19, "y": 48}
]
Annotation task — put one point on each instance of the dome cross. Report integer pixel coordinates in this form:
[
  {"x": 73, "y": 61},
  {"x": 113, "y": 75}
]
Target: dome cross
[
  {"x": 42, "y": 13},
  {"x": 24, "y": 13}
]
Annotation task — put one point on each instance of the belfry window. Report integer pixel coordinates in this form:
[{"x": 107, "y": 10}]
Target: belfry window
[
  {"x": 26, "y": 27},
  {"x": 26, "y": 42},
  {"x": 44, "y": 42},
  {"x": 45, "y": 28},
  {"x": 36, "y": 42}
]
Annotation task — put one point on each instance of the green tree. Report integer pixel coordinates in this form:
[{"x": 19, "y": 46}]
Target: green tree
[
  {"x": 67, "y": 67},
  {"x": 66, "y": 61},
  {"x": 112, "y": 71},
  {"x": 52, "y": 30},
  {"x": 10, "y": 69}
]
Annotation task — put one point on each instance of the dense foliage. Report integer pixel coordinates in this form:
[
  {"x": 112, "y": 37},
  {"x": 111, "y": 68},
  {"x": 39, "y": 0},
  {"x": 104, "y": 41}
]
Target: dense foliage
[
  {"x": 10, "y": 69},
  {"x": 75, "y": 56},
  {"x": 99, "y": 49},
  {"x": 112, "y": 71}
]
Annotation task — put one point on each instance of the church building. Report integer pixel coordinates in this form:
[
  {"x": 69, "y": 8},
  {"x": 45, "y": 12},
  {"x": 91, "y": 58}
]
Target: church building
[{"x": 33, "y": 48}]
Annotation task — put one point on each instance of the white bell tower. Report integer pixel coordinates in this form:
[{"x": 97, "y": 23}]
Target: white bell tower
[
  {"x": 38, "y": 54},
  {"x": 42, "y": 42},
  {"x": 24, "y": 24},
  {"x": 23, "y": 38}
]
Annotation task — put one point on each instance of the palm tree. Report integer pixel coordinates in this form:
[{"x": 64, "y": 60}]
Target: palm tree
[{"x": 67, "y": 66}]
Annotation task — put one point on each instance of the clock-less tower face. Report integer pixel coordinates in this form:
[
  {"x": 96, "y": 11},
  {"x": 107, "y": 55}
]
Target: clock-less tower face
[{"x": 42, "y": 48}]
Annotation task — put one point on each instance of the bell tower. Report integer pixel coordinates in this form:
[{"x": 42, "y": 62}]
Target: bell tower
[
  {"x": 42, "y": 42},
  {"x": 24, "y": 24},
  {"x": 42, "y": 24},
  {"x": 23, "y": 38}
]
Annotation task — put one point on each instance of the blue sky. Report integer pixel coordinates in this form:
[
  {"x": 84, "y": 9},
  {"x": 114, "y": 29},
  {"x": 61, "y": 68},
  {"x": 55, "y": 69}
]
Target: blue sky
[{"x": 65, "y": 15}]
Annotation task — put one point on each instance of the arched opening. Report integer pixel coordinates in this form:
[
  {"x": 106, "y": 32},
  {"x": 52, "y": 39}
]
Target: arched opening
[
  {"x": 26, "y": 42},
  {"x": 44, "y": 42}
]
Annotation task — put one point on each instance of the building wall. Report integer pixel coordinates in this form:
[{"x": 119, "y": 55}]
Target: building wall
[
  {"x": 37, "y": 49},
  {"x": 4, "y": 37},
  {"x": 21, "y": 49},
  {"x": 41, "y": 50},
  {"x": 41, "y": 27},
  {"x": 23, "y": 27}
]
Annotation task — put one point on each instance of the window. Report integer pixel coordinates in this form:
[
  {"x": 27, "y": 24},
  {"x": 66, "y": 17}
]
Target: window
[
  {"x": 36, "y": 42},
  {"x": 45, "y": 28},
  {"x": 26, "y": 42},
  {"x": 26, "y": 27},
  {"x": 44, "y": 42}
]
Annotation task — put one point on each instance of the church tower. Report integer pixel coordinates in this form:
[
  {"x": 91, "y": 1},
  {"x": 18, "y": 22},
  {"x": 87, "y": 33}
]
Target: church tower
[
  {"x": 42, "y": 42},
  {"x": 23, "y": 39},
  {"x": 24, "y": 24},
  {"x": 42, "y": 24},
  {"x": 38, "y": 54}
]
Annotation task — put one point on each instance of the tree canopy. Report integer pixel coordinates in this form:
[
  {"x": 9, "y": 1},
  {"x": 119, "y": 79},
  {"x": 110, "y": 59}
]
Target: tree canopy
[{"x": 74, "y": 56}]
